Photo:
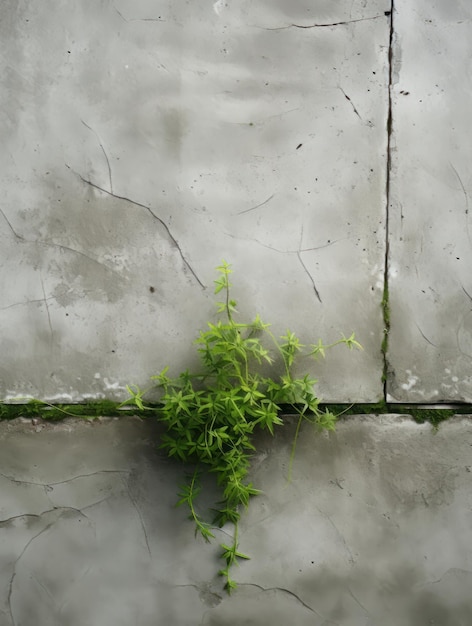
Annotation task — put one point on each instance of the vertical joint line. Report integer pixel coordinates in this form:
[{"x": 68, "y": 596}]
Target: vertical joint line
[{"x": 385, "y": 297}]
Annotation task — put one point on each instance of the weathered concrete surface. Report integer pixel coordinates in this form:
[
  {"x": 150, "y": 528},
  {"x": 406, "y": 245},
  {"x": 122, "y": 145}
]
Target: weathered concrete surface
[
  {"x": 430, "y": 350},
  {"x": 145, "y": 140},
  {"x": 375, "y": 528}
]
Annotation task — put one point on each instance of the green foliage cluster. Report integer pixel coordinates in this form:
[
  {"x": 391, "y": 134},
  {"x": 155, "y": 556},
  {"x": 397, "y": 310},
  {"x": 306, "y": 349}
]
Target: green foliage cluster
[{"x": 211, "y": 417}]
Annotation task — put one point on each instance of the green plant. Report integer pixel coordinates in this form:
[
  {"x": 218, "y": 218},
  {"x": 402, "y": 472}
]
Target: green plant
[{"x": 211, "y": 416}]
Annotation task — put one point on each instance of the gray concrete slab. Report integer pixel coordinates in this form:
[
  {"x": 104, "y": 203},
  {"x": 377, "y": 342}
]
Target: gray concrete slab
[
  {"x": 144, "y": 141},
  {"x": 430, "y": 286},
  {"x": 375, "y": 528}
]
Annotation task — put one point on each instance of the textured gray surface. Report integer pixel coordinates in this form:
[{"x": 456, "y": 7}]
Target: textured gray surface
[
  {"x": 144, "y": 141},
  {"x": 430, "y": 348},
  {"x": 375, "y": 528}
]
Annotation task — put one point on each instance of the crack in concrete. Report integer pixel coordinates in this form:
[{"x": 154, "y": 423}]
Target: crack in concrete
[
  {"x": 151, "y": 212},
  {"x": 265, "y": 245},
  {"x": 15, "y": 565},
  {"x": 385, "y": 302},
  {"x": 466, "y": 196},
  {"x": 5, "y": 522},
  {"x": 205, "y": 593},
  {"x": 58, "y": 512},
  {"x": 337, "y": 482},
  {"x": 138, "y": 511},
  {"x": 263, "y": 120},
  {"x": 317, "y": 293},
  {"x": 52, "y": 244},
  {"x": 424, "y": 336},
  {"x": 11, "y": 306},
  {"x": 120, "y": 14},
  {"x": 327, "y": 25},
  {"x": 458, "y": 342},
  {"x": 92, "y": 504},
  {"x": 104, "y": 152},
  {"x": 462, "y": 187},
  {"x": 308, "y": 273},
  {"x": 466, "y": 293},
  {"x": 62, "y": 482},
  {"x": 459, "y": 570},
  {"x": 297, "y": 252},
  {"x": 339, "y": 534},
  {"x": 15, "y": 234},
  {"x": 147, "y": 19},
  {"x": 44, "y": 588},
  {"x": 51, "y": 338},
  {"x": 257, "y": 205},
  {"x": 283, "y": 590},
  {"x": 142, "y": 19},
  {"x": 357, "y": 601},
  {"x": 351, "y": 103}
]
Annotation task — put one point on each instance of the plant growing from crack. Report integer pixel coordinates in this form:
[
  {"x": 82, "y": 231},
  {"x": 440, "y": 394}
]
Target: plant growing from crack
[{"x": 211, "y": 416}]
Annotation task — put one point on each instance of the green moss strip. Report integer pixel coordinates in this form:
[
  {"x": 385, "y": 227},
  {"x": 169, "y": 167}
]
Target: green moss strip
[
  {"x": 55, "y": 412},
  {"x": 107, "y": 408}
]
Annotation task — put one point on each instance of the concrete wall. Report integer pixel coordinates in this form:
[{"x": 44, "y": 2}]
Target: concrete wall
[
  {"x": 143, "y": 141},
  {"x": 374, "y": 529},
  {"x": 430, "y": 245}
]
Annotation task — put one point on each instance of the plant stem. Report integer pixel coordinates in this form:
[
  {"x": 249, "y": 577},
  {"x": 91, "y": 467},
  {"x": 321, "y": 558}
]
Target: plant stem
[{"x": 294, "y": 447}]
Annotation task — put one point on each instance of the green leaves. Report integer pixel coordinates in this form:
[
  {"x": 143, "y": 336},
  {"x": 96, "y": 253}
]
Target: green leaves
[
  {"x": 351, "y": 342},
  {"x": 187, "y": 495},
  {"x": 211, "y": 416},
  {"x": 319, "y": 349},
  {"x": 135, "y": 397},
  {"x": 289, "y": 347},
  {"x": 231, "y": 555}
]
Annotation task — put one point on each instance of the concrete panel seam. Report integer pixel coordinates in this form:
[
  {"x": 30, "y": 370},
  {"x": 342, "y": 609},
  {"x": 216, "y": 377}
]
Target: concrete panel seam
[{"x": 385, "y": 298}]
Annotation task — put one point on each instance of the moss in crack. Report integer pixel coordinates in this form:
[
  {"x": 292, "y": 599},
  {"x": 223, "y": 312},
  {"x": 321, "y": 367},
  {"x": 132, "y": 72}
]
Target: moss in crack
[
  {"x": 108, "y": 408},
  {"x": 386, "y": 331},
  {"x": 434, "y": 416},
  {"x": 55, "y": 412},
  {"x": 419, "y": 413}
]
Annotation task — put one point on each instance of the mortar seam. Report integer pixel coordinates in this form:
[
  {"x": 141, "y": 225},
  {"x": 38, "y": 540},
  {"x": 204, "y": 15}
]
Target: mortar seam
[{"x": 385, "y": 296}]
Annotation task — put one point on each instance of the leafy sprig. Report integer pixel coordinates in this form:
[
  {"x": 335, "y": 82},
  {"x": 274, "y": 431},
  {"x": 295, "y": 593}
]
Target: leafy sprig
[{"x": 211, "y": 416}]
